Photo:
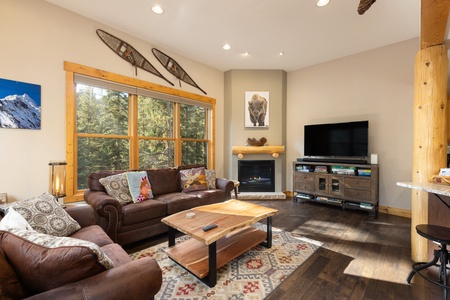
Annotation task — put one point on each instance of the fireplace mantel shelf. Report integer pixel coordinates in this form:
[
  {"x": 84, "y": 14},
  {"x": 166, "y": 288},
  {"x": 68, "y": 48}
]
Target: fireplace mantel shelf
[{"x": 275, "y": 151}]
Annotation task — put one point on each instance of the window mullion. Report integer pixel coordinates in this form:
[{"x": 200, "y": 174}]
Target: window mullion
[
  {"x": 177, "y": 133},
  {"x": 132, "y": 131}
]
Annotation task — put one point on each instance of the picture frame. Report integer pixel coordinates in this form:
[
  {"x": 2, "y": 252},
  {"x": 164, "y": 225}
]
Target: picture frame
[
  {"x": 256, "y": 109},
  {"x": 21, "y": 105}
]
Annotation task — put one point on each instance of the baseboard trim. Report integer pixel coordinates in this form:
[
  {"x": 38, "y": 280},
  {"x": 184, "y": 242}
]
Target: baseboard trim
[{"x": 395, "y": 211}]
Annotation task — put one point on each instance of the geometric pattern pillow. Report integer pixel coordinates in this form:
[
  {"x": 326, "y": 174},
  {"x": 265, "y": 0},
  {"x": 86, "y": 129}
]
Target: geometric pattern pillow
[
  {"x": 45, "y": 215},
  {"x": 140, "y": 188},
  {"x": 43, "y": 262},
  {"x": 117, "y": 187},
  {"x": 193, "y": 179},
  {"x": 211, "y": 178}
]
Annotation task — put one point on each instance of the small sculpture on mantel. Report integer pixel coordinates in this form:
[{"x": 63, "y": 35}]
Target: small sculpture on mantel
[{"x": 255, "y": 142}]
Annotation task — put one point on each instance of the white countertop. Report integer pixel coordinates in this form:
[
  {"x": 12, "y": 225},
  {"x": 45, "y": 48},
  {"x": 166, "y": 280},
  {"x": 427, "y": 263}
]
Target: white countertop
[{"x": 439, "y": 189}]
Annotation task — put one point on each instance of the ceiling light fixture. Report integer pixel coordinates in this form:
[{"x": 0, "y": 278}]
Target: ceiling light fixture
[
  {"x": 157, "y": 9},
  {"x": 226, "y": 47},
  {"x": 321, "y": 3},
  {"x": 281, "y": 53}
]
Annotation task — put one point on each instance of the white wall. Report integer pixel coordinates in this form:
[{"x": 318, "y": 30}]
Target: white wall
[
  {"x": 378, "y": 86},
  {"x": 36, "y": 38}
]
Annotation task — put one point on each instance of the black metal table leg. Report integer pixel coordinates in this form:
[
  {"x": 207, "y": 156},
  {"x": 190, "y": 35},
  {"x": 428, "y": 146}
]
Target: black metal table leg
[
  {"x": 172, "y": 233},
  {"x": 211, "y": 279},
  {"x": 268, "y": 242}
]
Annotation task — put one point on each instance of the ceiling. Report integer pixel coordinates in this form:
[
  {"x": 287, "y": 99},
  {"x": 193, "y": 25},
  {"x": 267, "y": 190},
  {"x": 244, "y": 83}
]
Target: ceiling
[{"x": 305, "y": 33}]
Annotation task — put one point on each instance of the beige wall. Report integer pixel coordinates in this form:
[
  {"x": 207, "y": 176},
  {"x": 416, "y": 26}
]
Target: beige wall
[
  {"x": 378, "y": 86},
  {"x": 36, "y": 38},
  {"x": 237, "y": 82}
]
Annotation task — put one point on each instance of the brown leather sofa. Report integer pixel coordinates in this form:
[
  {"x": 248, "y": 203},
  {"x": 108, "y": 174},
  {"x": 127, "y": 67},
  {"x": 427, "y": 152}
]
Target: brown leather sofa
[
  {"x": 137, "y": 221},
  {"x": 139, "y": 279}
]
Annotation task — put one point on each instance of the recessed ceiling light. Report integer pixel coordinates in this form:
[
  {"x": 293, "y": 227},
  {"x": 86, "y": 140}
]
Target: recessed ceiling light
[
  {"x": 226, "y": 47},
  {"x": 281, "y": 53},
  {"x": 157, "y": 9},
  {"x": 245, "y": 53},
  {"x": 322, "y": 2}
]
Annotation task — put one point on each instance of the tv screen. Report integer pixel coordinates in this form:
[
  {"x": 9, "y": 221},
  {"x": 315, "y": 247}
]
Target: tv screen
[{"x": 349, "y": 139}]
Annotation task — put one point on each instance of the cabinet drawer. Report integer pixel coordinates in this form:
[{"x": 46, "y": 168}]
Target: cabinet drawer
[
  {"x": 304, "y": 186},
  {"x": 358, "y": 183},
  {"x": 361, "y": 195},
  {"x": 303, "y": 176}
]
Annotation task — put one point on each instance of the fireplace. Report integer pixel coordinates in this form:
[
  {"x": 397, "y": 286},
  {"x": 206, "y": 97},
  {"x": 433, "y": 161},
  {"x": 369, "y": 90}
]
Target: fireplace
[{"x": 256, "y": 175}]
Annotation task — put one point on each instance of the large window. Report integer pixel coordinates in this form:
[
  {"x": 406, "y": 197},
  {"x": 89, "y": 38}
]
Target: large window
[{"x": 125, "y": 123}]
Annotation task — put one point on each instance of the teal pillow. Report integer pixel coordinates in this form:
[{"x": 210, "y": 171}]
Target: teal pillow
[{"x": 140, "y": 188}]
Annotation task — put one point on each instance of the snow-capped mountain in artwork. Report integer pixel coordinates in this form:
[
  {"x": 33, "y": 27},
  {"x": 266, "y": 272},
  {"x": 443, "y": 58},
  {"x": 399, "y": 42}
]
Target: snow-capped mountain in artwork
[{"x": 19, "y": 111}]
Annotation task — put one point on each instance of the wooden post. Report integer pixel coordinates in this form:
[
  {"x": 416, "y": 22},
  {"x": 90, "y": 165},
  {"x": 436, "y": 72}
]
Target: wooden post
[{"x": 430, "y": 134}]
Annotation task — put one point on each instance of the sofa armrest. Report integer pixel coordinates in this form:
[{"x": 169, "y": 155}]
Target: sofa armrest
[
  {"x": 83, "y": 214},
  {"x": 139, "y": 279},
  {"x": 225, "y": 185},
  {"x": 108, "y": 209}
]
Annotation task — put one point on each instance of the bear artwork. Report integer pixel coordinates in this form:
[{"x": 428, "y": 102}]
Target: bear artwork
[{"x": 257, "y": 108}]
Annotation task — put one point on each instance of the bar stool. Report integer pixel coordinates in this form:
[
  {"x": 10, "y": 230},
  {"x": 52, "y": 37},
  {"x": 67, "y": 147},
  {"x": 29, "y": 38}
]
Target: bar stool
[{"x": 440, "y": 235}]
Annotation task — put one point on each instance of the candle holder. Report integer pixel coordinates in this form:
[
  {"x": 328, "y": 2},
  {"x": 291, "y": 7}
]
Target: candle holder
[{"x": 57, "y": 180}]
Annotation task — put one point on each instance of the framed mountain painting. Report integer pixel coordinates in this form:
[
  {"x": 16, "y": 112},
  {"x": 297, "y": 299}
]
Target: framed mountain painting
[{"x": 20, "y": 105}]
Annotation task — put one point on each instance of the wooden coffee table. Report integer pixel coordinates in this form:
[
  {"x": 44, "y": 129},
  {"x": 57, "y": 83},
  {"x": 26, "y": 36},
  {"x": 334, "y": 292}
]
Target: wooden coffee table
[{"x": 206, "y": 251}]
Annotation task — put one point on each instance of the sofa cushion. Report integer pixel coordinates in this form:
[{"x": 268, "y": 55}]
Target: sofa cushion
[
  {"x": 209, "y": 196},
  {"x": 14, "y": 220},
  {"x": 94, "y": 234},
  {"x": 177, "y": 202},
  {"x": 43, "y": 262},
  {"x": 45, "y": 215},
  {"x": 117, "y": 187},
  {"x": 140, "y": 188},
  {"x": 10, "y": 286},
  {"x": 143, "y": 211},
  {"x": 193, "y": 179},
  {"x": 164, "y": 181}
]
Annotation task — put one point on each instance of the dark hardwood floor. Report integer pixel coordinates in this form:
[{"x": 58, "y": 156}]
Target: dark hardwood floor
[{"x": 362, "y": 257}]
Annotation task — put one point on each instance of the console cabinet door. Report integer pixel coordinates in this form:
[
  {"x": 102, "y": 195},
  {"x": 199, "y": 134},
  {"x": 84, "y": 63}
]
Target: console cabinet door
[{"x": 329, "y": 185}]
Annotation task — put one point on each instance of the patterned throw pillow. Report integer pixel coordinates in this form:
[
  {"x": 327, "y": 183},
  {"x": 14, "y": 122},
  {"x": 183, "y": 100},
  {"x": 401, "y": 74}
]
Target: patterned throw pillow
[
  {"x": 211, "y": 178},
  {"x": 117, "y": 187},
  {"x": 140, "y": 188},
  {"x": 45, "y": 215},
  {"x": 193, "y": 180}
]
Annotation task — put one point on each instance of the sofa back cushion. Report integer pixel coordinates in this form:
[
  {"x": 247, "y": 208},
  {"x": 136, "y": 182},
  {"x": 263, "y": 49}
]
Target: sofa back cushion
[
  {"x": 41, "y": 264},
  {"x": 164, "y": 181}
]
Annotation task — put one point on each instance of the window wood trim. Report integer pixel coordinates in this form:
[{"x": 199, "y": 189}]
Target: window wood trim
[{"x": 71, "y": 142}]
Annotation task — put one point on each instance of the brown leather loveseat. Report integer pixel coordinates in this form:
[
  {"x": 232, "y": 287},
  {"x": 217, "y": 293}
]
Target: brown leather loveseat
[
  {"x": 32, "y": 271},
  {"x": 133, "y": 222}
]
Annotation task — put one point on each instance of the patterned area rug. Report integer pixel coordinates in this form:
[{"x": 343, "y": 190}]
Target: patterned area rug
[{"x": 253, "y": 275}]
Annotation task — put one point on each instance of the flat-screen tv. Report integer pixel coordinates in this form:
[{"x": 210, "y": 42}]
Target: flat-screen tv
[{"x": 337, "y": 141}]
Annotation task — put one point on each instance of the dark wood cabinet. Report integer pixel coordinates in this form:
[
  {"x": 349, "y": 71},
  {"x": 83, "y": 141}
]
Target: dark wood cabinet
[{"x": 352, "y": 186}]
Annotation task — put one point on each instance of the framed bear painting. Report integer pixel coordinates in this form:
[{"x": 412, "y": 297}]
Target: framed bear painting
[{"x": 257, "y": 109}]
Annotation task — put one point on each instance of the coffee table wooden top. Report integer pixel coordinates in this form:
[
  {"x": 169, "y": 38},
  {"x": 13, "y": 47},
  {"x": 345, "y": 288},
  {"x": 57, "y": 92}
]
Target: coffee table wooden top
[{"x": 229, "y": 216}]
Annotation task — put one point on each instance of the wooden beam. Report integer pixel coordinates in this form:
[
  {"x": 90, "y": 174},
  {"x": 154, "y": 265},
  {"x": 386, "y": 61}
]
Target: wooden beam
[
  {"x": 430, "y": 134},
  {"x": 433, "y": 22}
]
